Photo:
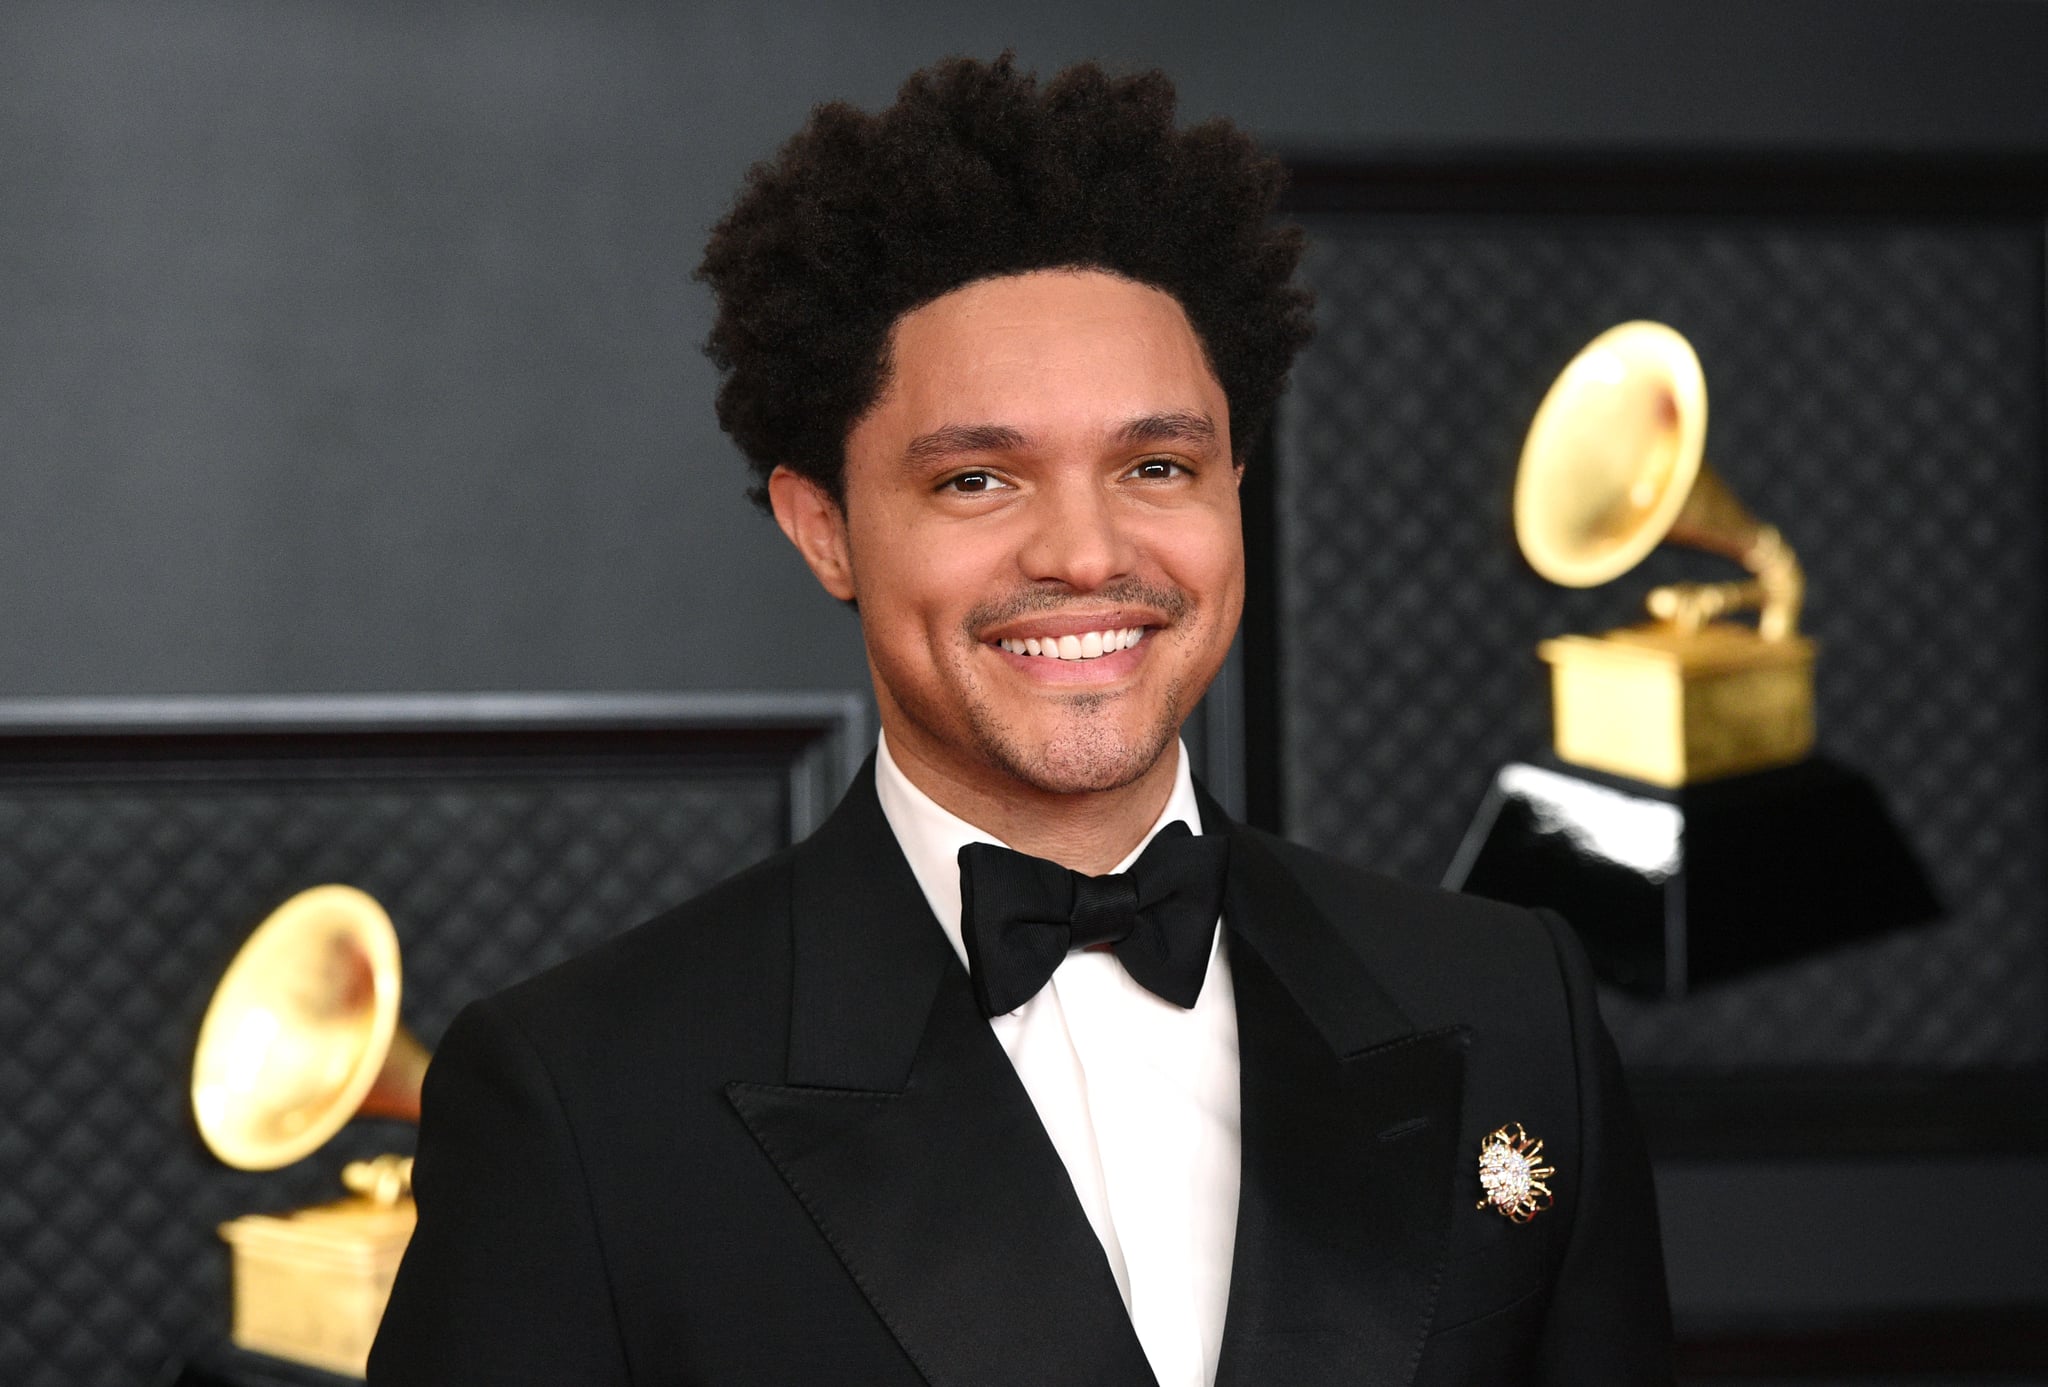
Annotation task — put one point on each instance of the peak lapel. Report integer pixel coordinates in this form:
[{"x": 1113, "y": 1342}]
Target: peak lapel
[
  {"x": 1350, "y": 1125},
  {"x": 908, "y": 1138}
]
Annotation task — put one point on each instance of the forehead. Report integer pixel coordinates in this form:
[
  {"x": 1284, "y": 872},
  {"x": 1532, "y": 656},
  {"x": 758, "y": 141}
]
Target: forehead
[{"x": 1050, "y": 347}]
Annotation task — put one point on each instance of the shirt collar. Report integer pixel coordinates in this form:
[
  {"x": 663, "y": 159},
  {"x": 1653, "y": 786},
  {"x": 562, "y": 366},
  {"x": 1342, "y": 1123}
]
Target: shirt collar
[{"x": 931, "y": 837}]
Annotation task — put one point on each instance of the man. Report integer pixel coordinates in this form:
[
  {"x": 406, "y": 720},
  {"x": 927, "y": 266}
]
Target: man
[{"x": 971, "y": 1087}]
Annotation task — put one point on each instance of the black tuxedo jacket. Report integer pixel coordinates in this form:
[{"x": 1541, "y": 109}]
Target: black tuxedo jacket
[{"x": 768, "y": 1139}]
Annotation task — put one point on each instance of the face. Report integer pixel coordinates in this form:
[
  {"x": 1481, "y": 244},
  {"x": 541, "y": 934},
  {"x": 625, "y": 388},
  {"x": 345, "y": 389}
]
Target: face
[{"x": 1041, "y": 529}]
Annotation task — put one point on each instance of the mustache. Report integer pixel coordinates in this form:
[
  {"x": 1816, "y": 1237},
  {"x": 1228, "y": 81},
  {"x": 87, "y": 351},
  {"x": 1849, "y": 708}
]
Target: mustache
[{"x": 1170, "y": 602}]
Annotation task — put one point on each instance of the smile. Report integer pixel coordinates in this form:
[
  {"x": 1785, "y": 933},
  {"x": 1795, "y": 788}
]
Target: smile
[{"x": 1087, "y": 645}]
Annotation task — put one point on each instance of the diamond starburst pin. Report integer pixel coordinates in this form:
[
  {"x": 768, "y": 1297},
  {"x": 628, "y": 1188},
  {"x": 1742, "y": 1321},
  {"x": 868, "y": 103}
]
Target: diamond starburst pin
[{"x": 1510, "y": 1176}]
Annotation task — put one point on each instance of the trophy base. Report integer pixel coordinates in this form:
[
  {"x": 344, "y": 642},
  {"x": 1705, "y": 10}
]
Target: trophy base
[
  {"x": 1672, "y": 707},
  {"x": 1673, "y": 888},
  {"x": 311, "y": 1286}
]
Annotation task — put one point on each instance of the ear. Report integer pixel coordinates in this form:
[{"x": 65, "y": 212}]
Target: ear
[{"x": 816, "y": 525}]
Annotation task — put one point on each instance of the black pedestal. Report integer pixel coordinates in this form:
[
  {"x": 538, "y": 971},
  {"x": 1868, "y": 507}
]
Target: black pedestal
[
  {"x": 223, "y": 1365},
  {"x": 1670, "y": 889}
]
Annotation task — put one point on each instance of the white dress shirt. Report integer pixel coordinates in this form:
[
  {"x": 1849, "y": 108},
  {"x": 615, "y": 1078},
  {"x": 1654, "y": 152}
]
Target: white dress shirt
[{"x": 1139, "y": 1097}]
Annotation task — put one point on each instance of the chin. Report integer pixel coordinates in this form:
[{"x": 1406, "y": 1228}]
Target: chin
[{"x": 1085, "y": 754}]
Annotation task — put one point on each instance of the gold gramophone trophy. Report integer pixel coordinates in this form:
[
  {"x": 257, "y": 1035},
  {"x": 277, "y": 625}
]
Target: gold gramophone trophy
[
  {"x": 1614, "y": 466},
  {"x": 302, "y": 1035},
  {"x": 1684, "y": 826}
]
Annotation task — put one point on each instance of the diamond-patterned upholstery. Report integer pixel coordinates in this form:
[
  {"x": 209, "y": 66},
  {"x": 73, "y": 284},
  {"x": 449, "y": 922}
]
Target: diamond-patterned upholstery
[
  {"x": 127, "y": 888},
  {"x": 1875, "y": 388}
]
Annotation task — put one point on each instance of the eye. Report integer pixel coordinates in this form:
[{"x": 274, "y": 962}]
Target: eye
[
  {"x": 973, "y": 483},
  {"x": 1159, "y": 470}
]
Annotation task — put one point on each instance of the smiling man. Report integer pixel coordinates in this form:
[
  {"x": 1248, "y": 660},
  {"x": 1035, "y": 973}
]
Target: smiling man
[{"x": 1030, "y": 1067}]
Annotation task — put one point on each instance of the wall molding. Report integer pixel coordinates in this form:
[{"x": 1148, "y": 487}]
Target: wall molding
[{"x": 823, "y": 736}]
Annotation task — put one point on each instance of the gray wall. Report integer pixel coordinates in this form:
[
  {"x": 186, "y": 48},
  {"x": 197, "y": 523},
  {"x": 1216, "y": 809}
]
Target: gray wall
[{"x": 352, "y": 346}]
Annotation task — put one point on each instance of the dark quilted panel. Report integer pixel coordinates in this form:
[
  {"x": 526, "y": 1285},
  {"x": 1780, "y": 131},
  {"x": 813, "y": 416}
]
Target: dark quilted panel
[
  {"x": 1875, "y": 389},
  {"x": 124, "y": 901}
]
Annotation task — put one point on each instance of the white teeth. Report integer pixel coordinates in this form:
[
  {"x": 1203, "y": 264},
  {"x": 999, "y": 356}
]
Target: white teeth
[{"x": 1090, "y": 645}]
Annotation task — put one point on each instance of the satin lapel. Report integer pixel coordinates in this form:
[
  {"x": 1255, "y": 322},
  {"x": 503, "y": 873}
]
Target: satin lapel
[
  {"x": 907, "y": 1136},
  {"x": 1350, "y": 1123}
]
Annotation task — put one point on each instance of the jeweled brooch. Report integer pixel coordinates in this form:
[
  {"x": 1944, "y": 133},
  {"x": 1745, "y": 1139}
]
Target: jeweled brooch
[{"x": 1510, "y": 1176}]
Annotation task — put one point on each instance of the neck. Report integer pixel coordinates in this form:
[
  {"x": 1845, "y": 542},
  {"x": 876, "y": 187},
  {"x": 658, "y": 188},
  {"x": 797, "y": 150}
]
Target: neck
[{"x": 1090, "y": 831}]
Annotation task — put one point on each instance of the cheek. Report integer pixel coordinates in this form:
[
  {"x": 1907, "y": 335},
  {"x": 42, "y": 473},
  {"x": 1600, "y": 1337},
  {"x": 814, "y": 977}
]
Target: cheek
[
  {"x": 913, "y": 585},
  {"x": 1207, "y": 561}
]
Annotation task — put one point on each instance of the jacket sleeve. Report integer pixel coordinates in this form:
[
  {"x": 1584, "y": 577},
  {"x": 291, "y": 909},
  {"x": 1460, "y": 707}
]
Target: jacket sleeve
[
  {"x": 504, "y": 1280},
  {"x": 1609, "y": 1319}
]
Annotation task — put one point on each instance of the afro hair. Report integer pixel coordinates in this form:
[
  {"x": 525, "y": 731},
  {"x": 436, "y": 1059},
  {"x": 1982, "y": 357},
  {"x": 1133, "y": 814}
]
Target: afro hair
[{"x": 978, "y": 171}]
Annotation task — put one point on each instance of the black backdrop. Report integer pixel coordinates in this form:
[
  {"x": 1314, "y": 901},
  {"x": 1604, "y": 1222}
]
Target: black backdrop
[
  {"x": 1875, "y": 387},
  {"x": 1873, "y": 344}
]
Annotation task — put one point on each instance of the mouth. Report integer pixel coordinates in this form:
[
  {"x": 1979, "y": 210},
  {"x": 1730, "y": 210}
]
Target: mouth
[
  {"x": 1076, "y": 645},
  {"x": 1080, "y": 649}
]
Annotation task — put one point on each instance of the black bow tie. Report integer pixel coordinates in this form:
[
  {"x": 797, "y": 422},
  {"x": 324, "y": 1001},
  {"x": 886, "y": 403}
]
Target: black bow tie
[{"x": 1020, "y": 915}]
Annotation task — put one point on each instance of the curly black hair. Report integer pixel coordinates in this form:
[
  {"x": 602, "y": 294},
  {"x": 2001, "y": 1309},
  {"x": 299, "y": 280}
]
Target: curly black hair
[{"x": 978, "y": 171}]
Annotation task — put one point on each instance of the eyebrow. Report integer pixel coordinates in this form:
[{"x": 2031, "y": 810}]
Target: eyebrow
[
  {"x": 962, "y": 438},
  {"x": 1173, "y": 426}
]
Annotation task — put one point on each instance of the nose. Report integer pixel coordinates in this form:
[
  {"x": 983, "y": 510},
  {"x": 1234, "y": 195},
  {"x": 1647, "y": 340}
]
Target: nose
[{"x": 1077, "y": 538}]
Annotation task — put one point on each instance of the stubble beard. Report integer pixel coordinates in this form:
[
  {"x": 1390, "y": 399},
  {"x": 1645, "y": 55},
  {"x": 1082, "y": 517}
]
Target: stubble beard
[{"x": 1088, "y": 753}]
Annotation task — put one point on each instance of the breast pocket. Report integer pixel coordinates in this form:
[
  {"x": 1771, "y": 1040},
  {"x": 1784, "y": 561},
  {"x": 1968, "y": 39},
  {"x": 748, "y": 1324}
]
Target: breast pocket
[
  {"x": 1496, "y": 1347},
  {"x": 1493, "y": 1266}
]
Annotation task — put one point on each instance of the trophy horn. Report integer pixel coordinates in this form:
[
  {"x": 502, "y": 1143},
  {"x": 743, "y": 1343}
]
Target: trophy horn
[
  {"x": 303, "y": 1033},
  {"x": 1614, "y": 465}
]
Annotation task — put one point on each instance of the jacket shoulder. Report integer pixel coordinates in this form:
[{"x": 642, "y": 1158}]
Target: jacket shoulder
[
  {"x": 1446, "y": 956},
  {"x": 718, "y": 965}
]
